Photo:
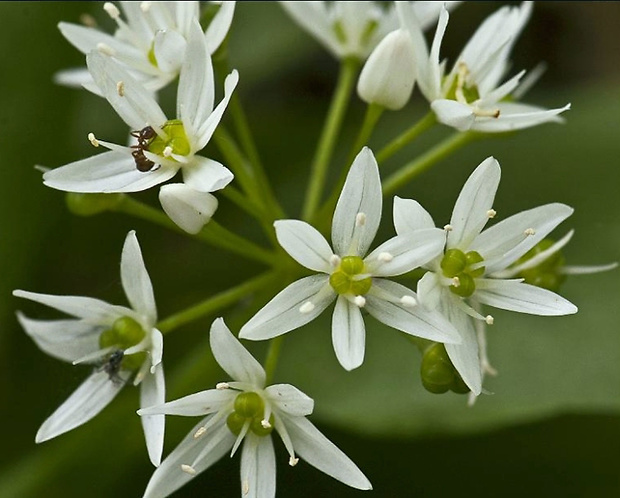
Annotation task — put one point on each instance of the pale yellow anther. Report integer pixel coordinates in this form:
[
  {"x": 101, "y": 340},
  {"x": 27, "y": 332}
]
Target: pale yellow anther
[
  {"x": 222, "y": 385},
  {"x": 359, "y": 301},
  {"x": 167, "y": 151},
  {"x": 307, "y": 307},
  {"x": 293, "y": 461},
  {"x": 112, "y": 10},
  {"x": 488, "y": 113},
  {"x": 93, "y": 140},
  {"x": 408, "y": 301},
  {"x": 489, "y": 319},
  {"x": 106, "y": 49},
  {"x": 456, "y": 281},
  {"x": 448, "y": 228},
  {"x": 360, "y": 219},
  {"x": 200, "y": 432},
  {"x": 491, "y": 213},
  {"x": 529, "y": 231},
  {"x": 265, "y": 424},
  {"x": 335, "y": 260},
  {"x": 188, "y": 469},
  {"x": 88, "y": 20},
  {"x": 245, "y": 487},
  {"x": 385, "y": 257},
  {"x": 120, "y": 88}
]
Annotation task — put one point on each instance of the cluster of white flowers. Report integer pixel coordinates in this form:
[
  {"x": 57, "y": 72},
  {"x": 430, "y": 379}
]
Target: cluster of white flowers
[{"x": 461, "y": 266}]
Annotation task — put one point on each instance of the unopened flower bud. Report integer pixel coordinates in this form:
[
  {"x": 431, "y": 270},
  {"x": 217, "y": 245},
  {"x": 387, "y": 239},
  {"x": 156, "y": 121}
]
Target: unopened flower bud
[{"x": 388, "y": 76}]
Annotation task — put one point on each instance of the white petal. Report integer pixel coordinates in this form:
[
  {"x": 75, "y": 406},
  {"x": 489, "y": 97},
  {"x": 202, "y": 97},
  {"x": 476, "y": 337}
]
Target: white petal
[
  {"x": 313, "y": 17},
  {"x": 206, "y": 175},
  {"x": 209, "y": 125},
  {"x": 75, "y": 77},
  {"x": 196, "y": 85},
  {"x": 88, "y": 400},
  {"x": 470, "y": 213},
  {"x": 504, "y": 243},
  {"x": 409, "y": 216},
  {"x": 66, "y": 340},
  {"x": 169, "y": 50},
  {"x": 384, "y": 303},
  {"x": 201, "y": 403},
  {"x": 407, "y": 251},
  {"x": 283, "y": 314},
  {"x": 348, "y": 334},
  {"x": 157, "y": 348},
  {"x": 321, "y": 453},
  {"x": 453, "y": 113},
  {"x": 92, "y": 310},
  {"x": 219, "y": 26},
  {"x": 429, "y": 290},
  {"x": 169, "y": 477},
  {"x": 185, "y": 13},
  {"x": 514, "y": 116},
  {"x": 188, "y": 208},
  {"x": 153, "y": 392},
  {"x": 258, "y": 467},
  {"x": 305, "y": 244},
  {"x": 136, "y": 107},
  {"x": 290, "y": 400},
  {"x": 136, "y": 281},
  {"x": 233, "y": 357},
  {"x": 514, "y": 295},
  {"x": 361, "y": 194},
  {"x": 107, "y": 172},
  {"x": 87, "y": 39},
  {"x": 585, "y": 270}
]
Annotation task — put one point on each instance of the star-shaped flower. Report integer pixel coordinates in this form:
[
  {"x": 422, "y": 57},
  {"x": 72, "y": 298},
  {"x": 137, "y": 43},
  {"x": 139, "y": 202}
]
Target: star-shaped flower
[
  {"x": 245, "y": 411},
  {"x": 470, "y": 271},
  {"x": 471, "y": 96},
  {"x": 150, "y": 42},
  {"x": 122, "y": 342},
  {"x": 350, "y": 277},
  {"x": 164, "y": 146}
]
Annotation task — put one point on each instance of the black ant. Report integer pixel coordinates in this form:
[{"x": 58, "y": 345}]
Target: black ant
[
  {"x": 144, "y": 137},
  {"x": 112, "y": 366}
]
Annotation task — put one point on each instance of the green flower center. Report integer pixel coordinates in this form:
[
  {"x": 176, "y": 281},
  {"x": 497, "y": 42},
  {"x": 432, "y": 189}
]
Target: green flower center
[
  {"x": 249, "y": 408},
  {"x": 438, "y": 373},
  {"x": 463, "y": 268},
  {"x": 125, "y": 333},
  {"x": 176, "y": 140},
  {"x": 546, "y": 274},
  {"x": 349, "y": 277}
]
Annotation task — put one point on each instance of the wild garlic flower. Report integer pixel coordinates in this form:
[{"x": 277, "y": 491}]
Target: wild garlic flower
[
  {"x": 469, "y": 273},
  {"x": 149, "y": 42},
  {"x": 350, "y": 277},
  {"x": 122, "y": 342},
  {"x": 244, "y": 411},
  {"x": 472, "y": 96},
  {"x": 164, "y": 146}
]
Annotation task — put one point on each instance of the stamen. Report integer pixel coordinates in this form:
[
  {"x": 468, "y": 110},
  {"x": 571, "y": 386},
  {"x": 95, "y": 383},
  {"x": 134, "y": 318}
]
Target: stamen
[
  {"x": 265, "y": 424},
  {"x": 222, "y": 385},
  {"x": 491, "y": 213},
  {"x": 456, "y": 281},
  {"x": 490, "y": 113},
  {"x": 106, "y": 49},
  {"x": 111, "y": 10},
  {"x": 293, "y": 461},
  {"x": 529, "y": 231},
  {"x": 145, "y": 6},
  {"x": 448, "y": 228},
  {"x": 200, "y": 432},
  {"x": 385, "y": 257},
  {"x": 489, "y": 319},
  {"x": 307, "y": 307},
  {"x": 93, "y": 140},
  {"x": 335, "y": 260},
  {"x": 360, "y": 220},
  {"x": 408, "y": 301},
  {"x": 188, "y": 469},
  {"x": 120, "y": 89},
  {"x": 245, "y": 487},
  {"x": 88, "y": 20},
  {"x": 359, "y": 301},
  {"x": 167, "y": 151}
]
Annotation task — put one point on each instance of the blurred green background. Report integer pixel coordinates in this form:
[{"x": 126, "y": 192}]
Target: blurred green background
[{"x": 553, "y": 424}]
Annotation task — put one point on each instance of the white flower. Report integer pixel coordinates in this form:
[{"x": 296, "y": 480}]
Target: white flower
[
  {"x": 470, "y": 272},
  {"x": 388, "y": 76},
  {"x": 471, "y": 96},
  {"x": 245, "y": 411},
  {"x": 150, "y": 42},
  {"x": 123, "y": 342},
  {"x": 348, "y": 278},
  {"x": 164, "y": 146}
]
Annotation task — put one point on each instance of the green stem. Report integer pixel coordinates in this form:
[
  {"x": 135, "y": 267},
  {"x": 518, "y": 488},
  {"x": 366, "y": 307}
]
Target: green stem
[
  {"x": 373, "y": 113},
  {"x": 406, "y": 137},
  {"x": 216, "y": 302},
  {"x": 425, "y": 161},
  {"x": 244, "y": 203},
  {"x": 327, "y": 142},
  {"x": 272, "y": 358},
  {"x": 212, "y": 233}
]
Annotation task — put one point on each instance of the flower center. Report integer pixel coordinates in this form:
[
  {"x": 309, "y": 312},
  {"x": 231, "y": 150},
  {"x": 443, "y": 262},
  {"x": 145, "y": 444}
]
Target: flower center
[
  {"x": 175, "y": 143},
  {"x": 249, "y": 408},
  {"x": 463, "y": 269},
  {"x": 438, "y": 373},
  {"x": 125, "y": 333},
  {"x": 350, "y": 278}
]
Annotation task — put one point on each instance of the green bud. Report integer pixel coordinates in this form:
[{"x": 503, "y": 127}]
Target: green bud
[
  {"x": 235, "y": 423},
  {"x": 340, "y": 282},
  {"x": 352, "y": 265},
  {"x": 545, "y": 274},
  {"x": 361, "y": 287},
  {"x": 177, "y": 139},
  {"x": 459, "y": 386},
  {"x": 473, "y": 257},
  {"x": 466, "y": 286},
  {"x": 453, "y": 262},
  {"x": 257, "y": 428},
  {"x": 343, "y": 280},
  {"x": 91, "y": 204},
  {"x": 249, "y": 405},
  {"x": 125, "y": 332},
  {"x": 436, "y": 370}
]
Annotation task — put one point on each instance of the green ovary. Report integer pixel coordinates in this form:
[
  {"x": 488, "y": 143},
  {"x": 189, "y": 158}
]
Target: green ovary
[
  {"x": 546, "y": 274},
  {"x": 125, "y": 333},
  {"x": 249, "y": 407},
  {"x": 456, "y": 263},
  {"x": 177, "y": 139},
  {"x": 346, "y": 279}
]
